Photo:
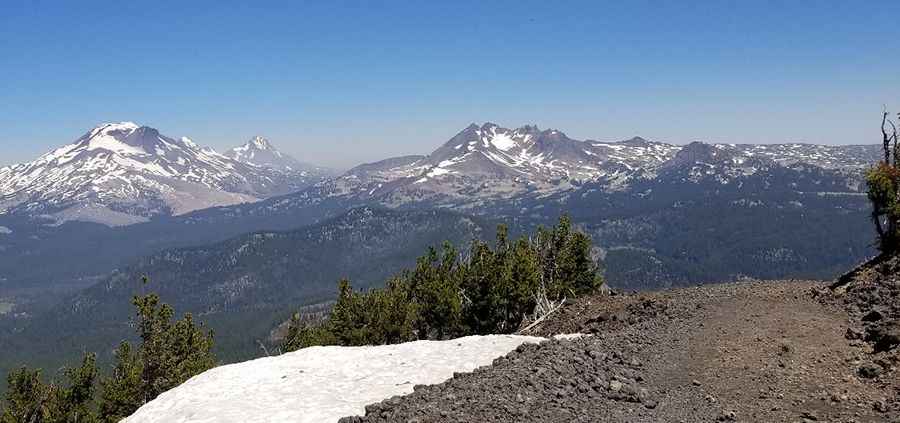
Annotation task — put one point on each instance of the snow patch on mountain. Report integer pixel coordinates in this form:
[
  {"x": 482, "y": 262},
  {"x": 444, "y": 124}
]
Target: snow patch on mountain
[
  {"x": 321, "y": 384},
  {"x": 5, "y": 231},
  {"x": 825, "y": 156}
]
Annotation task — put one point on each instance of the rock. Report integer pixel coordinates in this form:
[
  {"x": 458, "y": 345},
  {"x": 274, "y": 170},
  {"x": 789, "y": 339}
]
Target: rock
[
  {"x": 809, "y": 415},
  {"x": 615, "y": 386},
  {"x": 869, "y": 371},
  {"x": 854, "y": 334},
  {"x": 872, "y": 316},
  {"x": 728, "y": 416},
  {"x": 885, "y": 336}
]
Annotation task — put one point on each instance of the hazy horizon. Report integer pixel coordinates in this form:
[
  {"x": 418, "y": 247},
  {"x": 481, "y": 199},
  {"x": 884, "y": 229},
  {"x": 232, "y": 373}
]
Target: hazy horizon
[{"x": 342, "y": 84}]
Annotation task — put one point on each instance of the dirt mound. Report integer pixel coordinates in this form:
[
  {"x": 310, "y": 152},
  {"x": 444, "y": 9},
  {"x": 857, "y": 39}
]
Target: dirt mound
[
  {"x": 754, "y": 352},
  {"x": 871, "y": 292},
  {"x": 871, "y": 295}
]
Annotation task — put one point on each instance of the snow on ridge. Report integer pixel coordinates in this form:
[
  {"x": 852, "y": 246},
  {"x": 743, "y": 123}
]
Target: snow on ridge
[
  {"x": 503, "y": 141},
  {"x": 189, "y": 142},
  {"x": 109, "y": 127},
  {"x": 321, "y": 384},
  {"x": 103, "y": 142}
]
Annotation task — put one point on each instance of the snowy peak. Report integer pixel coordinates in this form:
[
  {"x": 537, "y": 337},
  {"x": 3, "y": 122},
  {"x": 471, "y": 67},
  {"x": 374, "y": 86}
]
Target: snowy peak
[
  {"x": 123, "y": 173},
  {"x": 261, "y": 143},
  {"x": 124, "y": 138},
  {"x": 536, "y": 157},
  {"x": 259, "y": 151}
]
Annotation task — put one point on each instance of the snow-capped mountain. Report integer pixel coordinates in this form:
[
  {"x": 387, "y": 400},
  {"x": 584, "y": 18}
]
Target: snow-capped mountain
[
  {"x": 259, "y": 151},
  {"x": 486, "y": 167},
  {"x": 485, "y": 163},
  {"x": 124, "y": 173},
  {"x": 488, "y": 164}
]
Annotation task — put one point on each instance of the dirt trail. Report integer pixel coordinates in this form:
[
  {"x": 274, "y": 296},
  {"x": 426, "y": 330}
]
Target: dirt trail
[
  {"x": 750, "y": 352},
  {"x": 774, "y": 354}
]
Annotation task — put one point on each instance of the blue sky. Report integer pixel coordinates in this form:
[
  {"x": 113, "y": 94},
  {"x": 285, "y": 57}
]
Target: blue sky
[{"x": 339, "y": 83}]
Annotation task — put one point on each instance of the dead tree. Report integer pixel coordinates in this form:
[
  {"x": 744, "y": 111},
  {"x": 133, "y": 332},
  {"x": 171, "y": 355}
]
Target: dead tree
[
  {"x": 888, "y": 137},
  {"x": 884, "y": 188}
]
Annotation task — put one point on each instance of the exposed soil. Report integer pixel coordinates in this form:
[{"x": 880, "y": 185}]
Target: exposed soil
[{"x": 749, "y": 351}]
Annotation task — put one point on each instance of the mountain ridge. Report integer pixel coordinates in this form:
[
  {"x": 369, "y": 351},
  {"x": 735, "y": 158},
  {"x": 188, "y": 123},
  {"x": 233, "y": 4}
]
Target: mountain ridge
[{"x": 125, "y": 173}]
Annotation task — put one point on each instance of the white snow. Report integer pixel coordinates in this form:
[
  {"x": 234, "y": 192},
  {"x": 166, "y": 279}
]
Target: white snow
[
  {"x": 111, "y": 144},
  {"x": 109, "y": 127},
  {"x": 503, "y": 141},
  {"x": 438, "y": 171},
  {"x": 321, "y": 384},
  {"x": 5, "y": 231},
  {"x": 189, "y": 142}
]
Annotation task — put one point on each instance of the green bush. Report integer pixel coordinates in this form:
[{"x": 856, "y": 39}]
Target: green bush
[
  {"x": 448, "y": 294},
  {"x": 29, "y": 399},
  {"x": 883, "y": 183},
  {"x": 170, "y": 353}
]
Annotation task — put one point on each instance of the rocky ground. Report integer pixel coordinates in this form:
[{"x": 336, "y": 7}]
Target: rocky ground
[{"x": 783, "y": 351}]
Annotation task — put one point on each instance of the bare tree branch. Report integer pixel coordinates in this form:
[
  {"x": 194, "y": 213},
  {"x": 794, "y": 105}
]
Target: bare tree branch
[{"x": 886, "y": 138}]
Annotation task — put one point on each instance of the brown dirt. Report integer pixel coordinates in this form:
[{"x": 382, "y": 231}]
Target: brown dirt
[{"x": 749, "y": 351}]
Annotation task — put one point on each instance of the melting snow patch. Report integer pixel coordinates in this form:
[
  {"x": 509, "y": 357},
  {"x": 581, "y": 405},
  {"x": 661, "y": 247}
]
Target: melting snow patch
[
  {"x": 438, "y": 172},
  {"x": 503, "y": 142},
  {"x": 5, "y": 231},
  {"x": 321, "y": 384}
]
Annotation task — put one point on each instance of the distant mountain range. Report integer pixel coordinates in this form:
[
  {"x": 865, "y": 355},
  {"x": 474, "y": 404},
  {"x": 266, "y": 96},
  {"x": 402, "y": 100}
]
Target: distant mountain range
[
  {"x": 120, "y": 174},
  {"x": 487, "y": 168},
  {"x": 625, "y": 192}
]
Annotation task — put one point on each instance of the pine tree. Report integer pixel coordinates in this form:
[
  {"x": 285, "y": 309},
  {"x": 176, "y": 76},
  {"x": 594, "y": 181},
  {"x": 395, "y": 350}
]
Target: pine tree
[
  {"x": 122, "y": 392},
  {"x": 347, "y": 321},
  {"x": 28, "y": 399},
  {"x": 169, "y": 354},
  {"x": 524, "y": 280},
  {"x": 75, "y": 403},
  {"x": 393, "y": 313},
  {"x": 479, "y": 278}
]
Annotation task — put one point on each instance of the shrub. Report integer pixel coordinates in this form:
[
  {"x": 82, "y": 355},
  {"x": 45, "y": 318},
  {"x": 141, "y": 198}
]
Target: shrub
[
  {"x": 489, "y": 290},
  {"x": 883, "y": 182},
  {"x": 170, "y": 353},
  {"x": 29, "y": 399}
]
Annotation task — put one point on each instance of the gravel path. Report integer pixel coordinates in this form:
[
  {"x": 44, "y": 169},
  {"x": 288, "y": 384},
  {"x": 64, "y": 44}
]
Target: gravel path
[{"x": 750, "y": 351}]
